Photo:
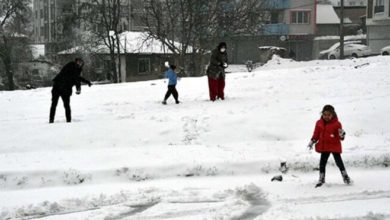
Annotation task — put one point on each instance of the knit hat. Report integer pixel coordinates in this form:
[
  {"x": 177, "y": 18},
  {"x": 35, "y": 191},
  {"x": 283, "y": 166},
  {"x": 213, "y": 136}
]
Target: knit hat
[{"x": 222, "y": 44}]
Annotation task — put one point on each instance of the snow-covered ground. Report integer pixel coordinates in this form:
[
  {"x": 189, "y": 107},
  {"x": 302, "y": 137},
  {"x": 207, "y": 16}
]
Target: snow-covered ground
[{"x": 127, "y": 156}]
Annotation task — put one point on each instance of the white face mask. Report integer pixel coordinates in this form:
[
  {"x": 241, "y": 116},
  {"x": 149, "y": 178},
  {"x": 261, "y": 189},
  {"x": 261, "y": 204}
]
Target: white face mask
[{"x": 222, "y": 50}]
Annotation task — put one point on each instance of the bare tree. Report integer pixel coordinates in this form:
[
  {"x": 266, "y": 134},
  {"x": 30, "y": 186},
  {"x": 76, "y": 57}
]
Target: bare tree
[
  {"x": 11, "y": 12},
  {"x": 198, "y": 23},
  {"x": 103, "y": 20}
]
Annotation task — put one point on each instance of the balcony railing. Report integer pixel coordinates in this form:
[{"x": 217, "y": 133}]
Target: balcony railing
[
  {"x": 275, "y": 29},
  {"x": 276, "y": 4}
]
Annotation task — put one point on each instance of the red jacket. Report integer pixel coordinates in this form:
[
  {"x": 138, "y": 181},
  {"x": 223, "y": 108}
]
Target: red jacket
[{"x": 327, "y": 135}]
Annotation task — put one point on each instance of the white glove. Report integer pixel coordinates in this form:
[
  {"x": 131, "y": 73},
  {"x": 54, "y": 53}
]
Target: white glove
[
  {"x": 311, "y": 143},
  {"x": 225, "y": 65},
  {"x": 78, "y": 92},
  {"x": 341, "y": 133},
  {"x": 166, "y": 64}
]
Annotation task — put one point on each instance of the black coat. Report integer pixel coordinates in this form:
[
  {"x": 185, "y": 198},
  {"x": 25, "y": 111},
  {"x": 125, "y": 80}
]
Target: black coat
[
  {"x": 68, "y": 77},
  {"x": 215, "y": 69}
]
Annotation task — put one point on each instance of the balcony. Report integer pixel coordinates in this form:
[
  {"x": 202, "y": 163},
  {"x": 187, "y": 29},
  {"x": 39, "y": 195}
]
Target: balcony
[
  {"x": 275, "y": 29},
  {"x": 276, "y": 4}
]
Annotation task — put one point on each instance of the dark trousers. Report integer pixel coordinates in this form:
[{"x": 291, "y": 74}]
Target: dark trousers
[
  {"x": 172, "y": 90},
  {"x": 216, "y": 88},
  {"x": 337, "y": 159},
  {"x": 54, "y": 101}
]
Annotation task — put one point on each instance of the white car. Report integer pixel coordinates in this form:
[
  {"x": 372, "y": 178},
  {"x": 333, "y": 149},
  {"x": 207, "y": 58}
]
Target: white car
[
  {"x": 385, "y": 51},
  {"x": 351, "y": 49}
]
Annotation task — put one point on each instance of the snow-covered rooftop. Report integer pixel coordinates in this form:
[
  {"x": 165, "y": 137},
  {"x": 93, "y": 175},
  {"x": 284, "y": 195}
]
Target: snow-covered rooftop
[
  {"x": 130, "y": 42},
  {"x": 327, "y": 15},
  {"x": 37, "y": 50},
  {"x": 348, "y": 37},
  {"x": 271, "y": 48}
]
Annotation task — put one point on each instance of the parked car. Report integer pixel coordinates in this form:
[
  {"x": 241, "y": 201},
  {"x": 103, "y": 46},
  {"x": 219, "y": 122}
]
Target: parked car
[
  {"x": 325, "y": 53},
  {"x": 351, "y": 49},
  {"x": 385, "y": 51}
]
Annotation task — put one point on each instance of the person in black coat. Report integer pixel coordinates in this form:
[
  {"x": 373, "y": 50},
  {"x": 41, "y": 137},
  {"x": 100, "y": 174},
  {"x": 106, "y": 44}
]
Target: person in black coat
[
  {"x": 63, "y": 83},
  {"x": 216, "y": 72}
]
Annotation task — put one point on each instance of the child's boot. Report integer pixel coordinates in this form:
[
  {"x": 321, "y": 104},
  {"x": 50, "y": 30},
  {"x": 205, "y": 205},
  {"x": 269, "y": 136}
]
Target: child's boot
[
  {"x": 346, "y": 178},
  {"x": 321, "y": 180},
  {"x": 164, "y": 102}
]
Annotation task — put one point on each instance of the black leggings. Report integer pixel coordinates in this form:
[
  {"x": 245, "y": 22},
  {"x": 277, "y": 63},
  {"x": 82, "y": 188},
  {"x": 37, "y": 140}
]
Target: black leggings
[
  {"x": 337, "y": 159},
  {"x": 54, "y": 101},
  {"x": 172, "y": 90}
]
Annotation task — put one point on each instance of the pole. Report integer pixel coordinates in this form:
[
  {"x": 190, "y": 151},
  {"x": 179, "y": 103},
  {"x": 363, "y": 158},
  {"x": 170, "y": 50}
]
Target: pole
[{"x": 342, "y": 30}]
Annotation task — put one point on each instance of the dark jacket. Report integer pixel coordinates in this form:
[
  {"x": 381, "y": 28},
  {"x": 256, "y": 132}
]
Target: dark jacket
[
  {"x": 68, "y": 77},
  {"x": 327, "y": 135},
  {"x": 215, "y": 69}
]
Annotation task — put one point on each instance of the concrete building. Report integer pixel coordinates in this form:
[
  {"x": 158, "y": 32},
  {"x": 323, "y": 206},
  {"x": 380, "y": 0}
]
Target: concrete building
[
  {"x": 328, "y": 22},
  {"x": 292, "y": 25},
  {"x": 378, "y": 24},
  {"x": 50, "y": 28},
  {"x": 355, "y": 14},
  {"x": 349, "y": 3}
]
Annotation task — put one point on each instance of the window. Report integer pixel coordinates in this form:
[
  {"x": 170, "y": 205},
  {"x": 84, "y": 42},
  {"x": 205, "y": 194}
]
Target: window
[
  {"x": 379, "y": 6},
  {"x": 143, "y": 65},
  {"x": 300, "y": 17}
]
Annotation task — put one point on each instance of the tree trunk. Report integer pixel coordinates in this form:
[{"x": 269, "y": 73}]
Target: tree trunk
[
  {"x": 6, "y": 57},
  {"x": 10, "y": 76},
  {"x": 119, "y": 58},
  {"x": 113, "y": 67}
]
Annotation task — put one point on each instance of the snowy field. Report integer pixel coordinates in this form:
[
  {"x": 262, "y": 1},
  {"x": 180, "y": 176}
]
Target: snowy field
[{"x": 127, "y": 156}]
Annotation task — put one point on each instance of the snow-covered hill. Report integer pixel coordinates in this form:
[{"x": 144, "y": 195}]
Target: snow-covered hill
[{"x": 127, "y": 156}]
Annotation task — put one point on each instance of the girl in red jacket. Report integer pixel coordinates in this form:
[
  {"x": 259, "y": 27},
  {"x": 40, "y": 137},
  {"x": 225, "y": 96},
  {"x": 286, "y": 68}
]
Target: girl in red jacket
[{"x": 327, "y": 137}]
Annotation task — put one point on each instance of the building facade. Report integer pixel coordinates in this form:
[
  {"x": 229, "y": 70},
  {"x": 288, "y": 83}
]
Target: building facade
[
  {"x": 349, "y": 3},
  {"x": 378, "y": 24},
  {"x": 51, "y": 26},
  {"x": 291, "y": 25}
]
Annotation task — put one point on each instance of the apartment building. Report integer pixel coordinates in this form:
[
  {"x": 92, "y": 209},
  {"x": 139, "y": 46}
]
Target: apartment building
[
  {"x": 291, "y": 24},
  {"x": 378, "y": 24},
  {"x": 50, "y": 28},
  {"x": 349, "y": 3}
]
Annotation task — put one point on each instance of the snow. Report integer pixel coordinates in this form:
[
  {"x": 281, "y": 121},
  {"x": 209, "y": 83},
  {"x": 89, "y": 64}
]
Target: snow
[
  {"x": 38, "y": 50},
  {"x": 271, "y": 48},
  {"x": 131, "y": 42},
  {"x": 127, "y": 156},
  {"x": 348, "y": 37}
]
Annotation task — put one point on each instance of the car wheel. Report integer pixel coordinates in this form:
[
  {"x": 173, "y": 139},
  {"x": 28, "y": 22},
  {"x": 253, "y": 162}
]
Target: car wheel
[
  {"x": 385, "y": 53},
  {"x": 354, "y": 55},
  {"x": 332, "y": 57}
]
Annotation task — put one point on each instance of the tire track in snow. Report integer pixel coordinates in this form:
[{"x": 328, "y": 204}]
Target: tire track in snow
[{"x": 365, "y": 195}]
